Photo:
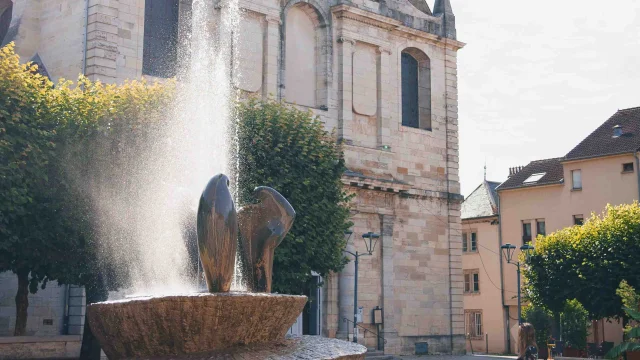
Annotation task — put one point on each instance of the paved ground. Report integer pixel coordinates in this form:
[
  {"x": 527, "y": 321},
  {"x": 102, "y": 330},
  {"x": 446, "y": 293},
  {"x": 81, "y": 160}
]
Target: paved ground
[{"x": 458, "y": 357}]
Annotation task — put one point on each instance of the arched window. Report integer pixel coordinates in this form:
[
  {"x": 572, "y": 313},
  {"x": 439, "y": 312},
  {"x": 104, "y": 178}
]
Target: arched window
[
  {"x": 6, "y": 12},
  {"x": 160, "y": 49},
  {"x": 301, "y": 59},
  {"x": 416, "y": 89}
]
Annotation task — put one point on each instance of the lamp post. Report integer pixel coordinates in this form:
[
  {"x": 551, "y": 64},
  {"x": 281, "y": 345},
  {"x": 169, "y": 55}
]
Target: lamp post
[
  {"x": 508, "y": 250},
  {"x": 370, "y": 245}
]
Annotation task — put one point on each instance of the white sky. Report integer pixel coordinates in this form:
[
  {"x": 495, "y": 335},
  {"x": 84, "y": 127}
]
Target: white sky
[{"x": 536, "y": 77}]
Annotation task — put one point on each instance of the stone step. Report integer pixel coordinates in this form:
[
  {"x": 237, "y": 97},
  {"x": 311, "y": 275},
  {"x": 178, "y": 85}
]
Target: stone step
[{"x": 377, "y": 355}]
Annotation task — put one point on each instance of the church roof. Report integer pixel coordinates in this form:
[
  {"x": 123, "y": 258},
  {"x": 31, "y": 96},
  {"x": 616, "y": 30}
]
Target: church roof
[{"x": 483, "y": 202}]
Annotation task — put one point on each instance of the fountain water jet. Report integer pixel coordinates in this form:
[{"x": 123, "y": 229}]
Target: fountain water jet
[{"x": 184, "y": 324}]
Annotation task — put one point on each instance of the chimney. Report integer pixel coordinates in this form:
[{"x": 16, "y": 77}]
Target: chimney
[
  {"x": 515, "y": 170},
  {"x": 617, "y": 131}
]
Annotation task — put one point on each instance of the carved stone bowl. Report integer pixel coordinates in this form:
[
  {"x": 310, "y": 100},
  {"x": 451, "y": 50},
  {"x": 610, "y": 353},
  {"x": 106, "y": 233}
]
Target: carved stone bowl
[{"x": 153, "y": 327}]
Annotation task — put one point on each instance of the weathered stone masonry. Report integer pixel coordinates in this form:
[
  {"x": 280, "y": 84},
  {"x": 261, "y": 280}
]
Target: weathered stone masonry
[{"x": 344, "y": 64}]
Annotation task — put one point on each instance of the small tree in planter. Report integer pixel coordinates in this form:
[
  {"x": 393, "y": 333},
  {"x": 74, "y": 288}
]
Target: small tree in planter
[
  {"x": 631, "y": 347},
  {"x": 541, "y": 320},
  {"x": 575, "y": 327}
]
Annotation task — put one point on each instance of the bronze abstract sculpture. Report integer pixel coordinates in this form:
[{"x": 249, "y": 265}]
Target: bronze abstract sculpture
[
  {"x": 262, "y": 226},
  {"x": 217, "y": 234}
]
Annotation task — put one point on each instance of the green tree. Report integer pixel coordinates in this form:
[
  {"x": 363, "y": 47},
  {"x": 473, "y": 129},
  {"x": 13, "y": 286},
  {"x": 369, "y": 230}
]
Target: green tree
[
  {"x": 630, "y": 299},
  {"x": 55, "y": 142},
  {"x": 28, "y": 227},
  {"x": 289, "y": 150},
  {"x": 587, "y": 262},
  {"x": 541, "y": 320},
  {"x": 575, "y": 324}
]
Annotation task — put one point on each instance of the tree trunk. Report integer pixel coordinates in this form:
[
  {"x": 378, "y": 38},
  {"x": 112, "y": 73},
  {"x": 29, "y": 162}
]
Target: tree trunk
[
  {"x": 22, "y": 303},
  {"x": 555, "y": 327},
  {"x": 91, "y": 349}
]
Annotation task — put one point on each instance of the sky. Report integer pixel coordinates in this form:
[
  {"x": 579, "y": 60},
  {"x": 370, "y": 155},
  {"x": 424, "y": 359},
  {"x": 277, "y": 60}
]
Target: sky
[{"x": 537, "y": 77}]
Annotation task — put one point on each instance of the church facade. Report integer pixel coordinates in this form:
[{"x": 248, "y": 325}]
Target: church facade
[{"x": 381, "y": 73}]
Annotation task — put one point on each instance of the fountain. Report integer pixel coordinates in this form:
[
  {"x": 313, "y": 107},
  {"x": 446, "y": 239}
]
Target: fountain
[
  {"x": 237, "y": 316},
  {"x": 220, "y": 323}
]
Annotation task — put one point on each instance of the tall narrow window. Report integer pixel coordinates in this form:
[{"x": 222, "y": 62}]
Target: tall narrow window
[
  {"x": 541, "y": 228},
  {"x": 6, "y": 13},
  {"x": 473, "y": 320},
  {"x": 476, "y": 282},
  {"x": 474, "y": 242},
  {"x": 471, "y": 281},
  {"x": 526, "y": 232},
  {"x": 160, "y": 49},
  {"x": 416, "y": 89},
  {"x": 410, "y": 115},
  {"x": 576, "y": 176}
]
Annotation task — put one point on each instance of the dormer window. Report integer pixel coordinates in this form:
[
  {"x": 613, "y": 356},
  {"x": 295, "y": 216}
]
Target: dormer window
[
  {"x": 534, "y": 178},
  {"x": 617, "y": 131}
]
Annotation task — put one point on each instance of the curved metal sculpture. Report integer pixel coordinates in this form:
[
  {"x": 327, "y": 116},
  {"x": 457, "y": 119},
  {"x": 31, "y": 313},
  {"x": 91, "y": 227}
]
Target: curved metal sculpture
[
  {"x": 217, "y": 234},
  {"x": 263, "y": 226}
]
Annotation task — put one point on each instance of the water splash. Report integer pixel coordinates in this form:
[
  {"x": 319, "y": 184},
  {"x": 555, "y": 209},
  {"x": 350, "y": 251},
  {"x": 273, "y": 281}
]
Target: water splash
[{"x": 146, "y": 229}]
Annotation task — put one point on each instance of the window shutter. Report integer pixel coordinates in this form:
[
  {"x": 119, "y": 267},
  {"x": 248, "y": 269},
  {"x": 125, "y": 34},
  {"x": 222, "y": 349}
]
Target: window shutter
[
  {"x": 464, "y": 242},
  {"x": 467, "y": 283}
]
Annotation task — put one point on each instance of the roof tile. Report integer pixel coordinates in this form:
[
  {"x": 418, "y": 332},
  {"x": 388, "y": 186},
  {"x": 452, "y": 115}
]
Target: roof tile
[{"x": 601, "y": 142}]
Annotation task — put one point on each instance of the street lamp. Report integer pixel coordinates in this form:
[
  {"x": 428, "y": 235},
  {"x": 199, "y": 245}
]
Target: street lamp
[
  {"x": 370, "y": 241},
  {"x": 508, "y": 250}
]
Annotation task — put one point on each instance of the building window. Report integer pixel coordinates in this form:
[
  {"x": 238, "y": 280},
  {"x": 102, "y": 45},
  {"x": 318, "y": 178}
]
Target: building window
[
  {"x": 416, "y": 89},
  {"x": 160, "y": 50},
  {"x": 526, "y": 232},
  {"x": 578, "y": 220},
  {"x": 473, "y": 321},
  {"x": 469, "y": 242},
  {"x": 6, "y": 13},
  {"x": 576, "y": 177},
  {"x": 471, "y": 282},
  {"x": 541, "y": 228},
  {"x": 628, "y": 167}
]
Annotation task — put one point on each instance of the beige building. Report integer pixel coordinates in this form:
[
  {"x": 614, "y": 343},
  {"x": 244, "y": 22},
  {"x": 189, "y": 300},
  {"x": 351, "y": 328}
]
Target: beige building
[
  {"x": 548, "y": 195},
  {"x": 484, "y": 314},
  {"x": 381, "y": 73}
]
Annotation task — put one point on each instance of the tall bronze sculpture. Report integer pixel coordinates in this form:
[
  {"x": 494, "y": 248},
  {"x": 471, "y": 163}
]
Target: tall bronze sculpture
[
  {"x": 217, "y": 234},
  {"x": 262, "y": 227}
]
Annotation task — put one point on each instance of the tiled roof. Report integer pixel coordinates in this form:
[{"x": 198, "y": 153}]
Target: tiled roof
[
  {"x": 601, "y": 142},
  {"x": 551, "y": 168},
  {"x": 482, "y": 202}
]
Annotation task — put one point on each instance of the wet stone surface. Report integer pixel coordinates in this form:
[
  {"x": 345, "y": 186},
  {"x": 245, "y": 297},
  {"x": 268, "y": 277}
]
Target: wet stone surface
[
  {"x": 304, "y": 348},
  {"x": 153, "y": 327}
]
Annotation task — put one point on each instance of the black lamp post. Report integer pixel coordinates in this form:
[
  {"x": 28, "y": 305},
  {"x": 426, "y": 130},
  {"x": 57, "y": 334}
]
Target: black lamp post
[
  {"x": 370, "y": 241},
  {"x": 508, "y": 250}
]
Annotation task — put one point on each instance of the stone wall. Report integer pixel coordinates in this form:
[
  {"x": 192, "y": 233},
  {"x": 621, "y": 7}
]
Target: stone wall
[
  {"x": 405, "y": 179},
  {"x": 45, "y": 312}
]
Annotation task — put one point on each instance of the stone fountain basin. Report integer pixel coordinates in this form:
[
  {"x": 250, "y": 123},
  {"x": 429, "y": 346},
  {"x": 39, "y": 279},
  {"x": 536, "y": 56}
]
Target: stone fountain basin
[{"x": 148, "y": 327}]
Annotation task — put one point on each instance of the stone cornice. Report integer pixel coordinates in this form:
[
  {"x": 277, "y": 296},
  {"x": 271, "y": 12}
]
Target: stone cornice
[
  {"x": 389, "y": 24},
  {"x": 397, "y": 187}
]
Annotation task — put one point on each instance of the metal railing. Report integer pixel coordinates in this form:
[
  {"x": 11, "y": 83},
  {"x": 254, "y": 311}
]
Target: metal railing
[{"x": 378, "y": 336}]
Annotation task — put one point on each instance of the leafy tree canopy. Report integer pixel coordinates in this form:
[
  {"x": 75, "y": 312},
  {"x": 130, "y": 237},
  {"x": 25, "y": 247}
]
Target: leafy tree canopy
[
  {"x": 587, "y": 263},
  {"x": 50, "y": 140},
  {"x": 289, "y": 150}
]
